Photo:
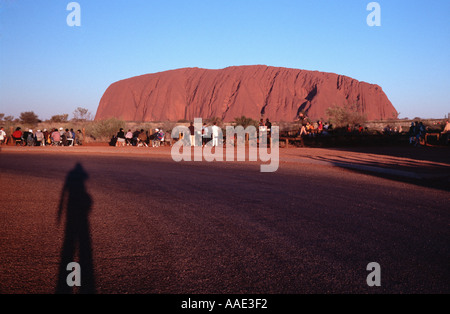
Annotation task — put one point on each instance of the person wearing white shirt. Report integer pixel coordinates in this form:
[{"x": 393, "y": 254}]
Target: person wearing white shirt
[
  {"x": 2, "y": 136},
  {"x": 215, "y": 134}
]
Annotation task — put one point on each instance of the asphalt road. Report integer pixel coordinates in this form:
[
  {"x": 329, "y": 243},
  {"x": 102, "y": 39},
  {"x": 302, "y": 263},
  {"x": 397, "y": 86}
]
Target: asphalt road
[{"x": 140, "y": 224}]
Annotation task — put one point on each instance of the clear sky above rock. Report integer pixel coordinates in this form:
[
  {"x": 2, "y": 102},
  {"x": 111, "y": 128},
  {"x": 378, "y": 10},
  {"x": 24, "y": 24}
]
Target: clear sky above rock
[{"x": 49, "y": 67}]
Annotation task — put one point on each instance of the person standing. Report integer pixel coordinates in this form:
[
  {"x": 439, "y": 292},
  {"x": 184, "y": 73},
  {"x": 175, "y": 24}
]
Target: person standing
[
  {"x": 205, "y": 134},
  {"x": 268, "y": 129},
  {"x": 215, "y": 134},
  {"x": 192, "y": 133},
  {"x": 262, "y": 126},
  {"x": 268, "y": 126}
]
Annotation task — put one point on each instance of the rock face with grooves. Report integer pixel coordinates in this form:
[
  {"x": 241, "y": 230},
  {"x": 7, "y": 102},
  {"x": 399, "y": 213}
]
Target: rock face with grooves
[{"x": 259, "y": 91}]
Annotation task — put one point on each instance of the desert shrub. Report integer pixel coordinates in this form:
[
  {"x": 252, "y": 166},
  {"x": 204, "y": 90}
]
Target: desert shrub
[
  {"x": 60, "y": 118},
  {"x": 341, "y": 116},
  {"x": 168, "y": 126},
  {"x": 103, "y": 130},
  {"x": 245, "y": 122},
  {"x": 29, "y": 117},
  {"x": 288, "y": 126}
]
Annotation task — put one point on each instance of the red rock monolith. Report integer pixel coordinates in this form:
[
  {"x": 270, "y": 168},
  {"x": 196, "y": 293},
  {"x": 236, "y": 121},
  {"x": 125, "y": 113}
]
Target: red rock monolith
[{"x": 279, "y": 94}]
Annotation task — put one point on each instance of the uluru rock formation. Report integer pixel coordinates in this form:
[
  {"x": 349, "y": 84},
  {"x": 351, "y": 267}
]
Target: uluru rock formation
[{"x": 252, "y": 91}]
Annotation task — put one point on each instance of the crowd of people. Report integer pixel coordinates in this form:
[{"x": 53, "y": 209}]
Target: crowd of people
[
  {"x": 142, "y": 138},
  {"x": 208, "y": 134},
  {"x": 52, "y": 137},
  {"x": 308, "y": 128},
  {"x": 139, "y": 138},
  {"x": 418, "y": 131}
]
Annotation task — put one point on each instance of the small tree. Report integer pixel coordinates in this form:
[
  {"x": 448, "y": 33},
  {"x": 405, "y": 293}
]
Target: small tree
[
  {"x": 341, "y": 116},
  {"x": 29, "y": 117},
  {"x": 9, "y": 118},
  {"x": 215, "y": 119},
  {"x": 2, "y": 115},
  {"x": 104, "y": 129},
  {"x": 61, "y": 118},
  {"x": 245, "y": 122},
  {"x": 81, "y": 115}
]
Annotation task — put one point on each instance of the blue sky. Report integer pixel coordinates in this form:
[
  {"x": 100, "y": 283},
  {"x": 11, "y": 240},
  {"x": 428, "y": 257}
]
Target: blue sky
[{"x": 51, "y": 68}]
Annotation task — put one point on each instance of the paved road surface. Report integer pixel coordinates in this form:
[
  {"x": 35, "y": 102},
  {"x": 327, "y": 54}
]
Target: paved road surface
[{"x": 145, "y": 224}]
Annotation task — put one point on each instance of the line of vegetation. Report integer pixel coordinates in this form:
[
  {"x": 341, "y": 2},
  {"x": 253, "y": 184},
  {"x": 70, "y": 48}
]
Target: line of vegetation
[{"x": 101, "y": 131}]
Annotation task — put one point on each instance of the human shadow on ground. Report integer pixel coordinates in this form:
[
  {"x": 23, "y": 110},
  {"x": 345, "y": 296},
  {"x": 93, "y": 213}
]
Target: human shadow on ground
[{"x": 76, "y": 204}]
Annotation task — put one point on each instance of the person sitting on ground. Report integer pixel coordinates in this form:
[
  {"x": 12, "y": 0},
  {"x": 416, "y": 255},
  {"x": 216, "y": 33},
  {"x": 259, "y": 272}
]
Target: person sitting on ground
[
  {"x": 30, "y": 138},
  {"x": 446, "y": 128},
  {"x": 142, "y": 139},
  {"x": 40, "y": 139},
  {"x": 129, "y": 137},
  {"x": 113, "y": 141},
  {"x": 315, "y": 127},
  {"x": 79, "y": 138},
  {"x": 63, "y": 137},
  {"x": 309, "y": 128},
  {"x": 412, "y": 134},
  {"x": 17, "y": 136},
  {"x": 422, "y": 131},
  {"x": 69, "y": 138},
  {"x": 56, "y": 138},
  {"x": 446, "y": 133},
  {"x": 304, "y": 122},
  {"x": 74, "y": 136},
  {"x": 120, "y": 138},
  {"x": 25, "y": 137},
  {"x": 319, "y": 127},
  {"x": 135, "y": 140},
  {"x": 159, "y": 136},
  {"x": 47, "y": 140}
]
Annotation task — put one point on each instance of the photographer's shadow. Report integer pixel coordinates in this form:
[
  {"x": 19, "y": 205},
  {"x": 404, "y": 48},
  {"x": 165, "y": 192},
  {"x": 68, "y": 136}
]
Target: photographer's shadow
[{"x": 77, "y": 204}]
